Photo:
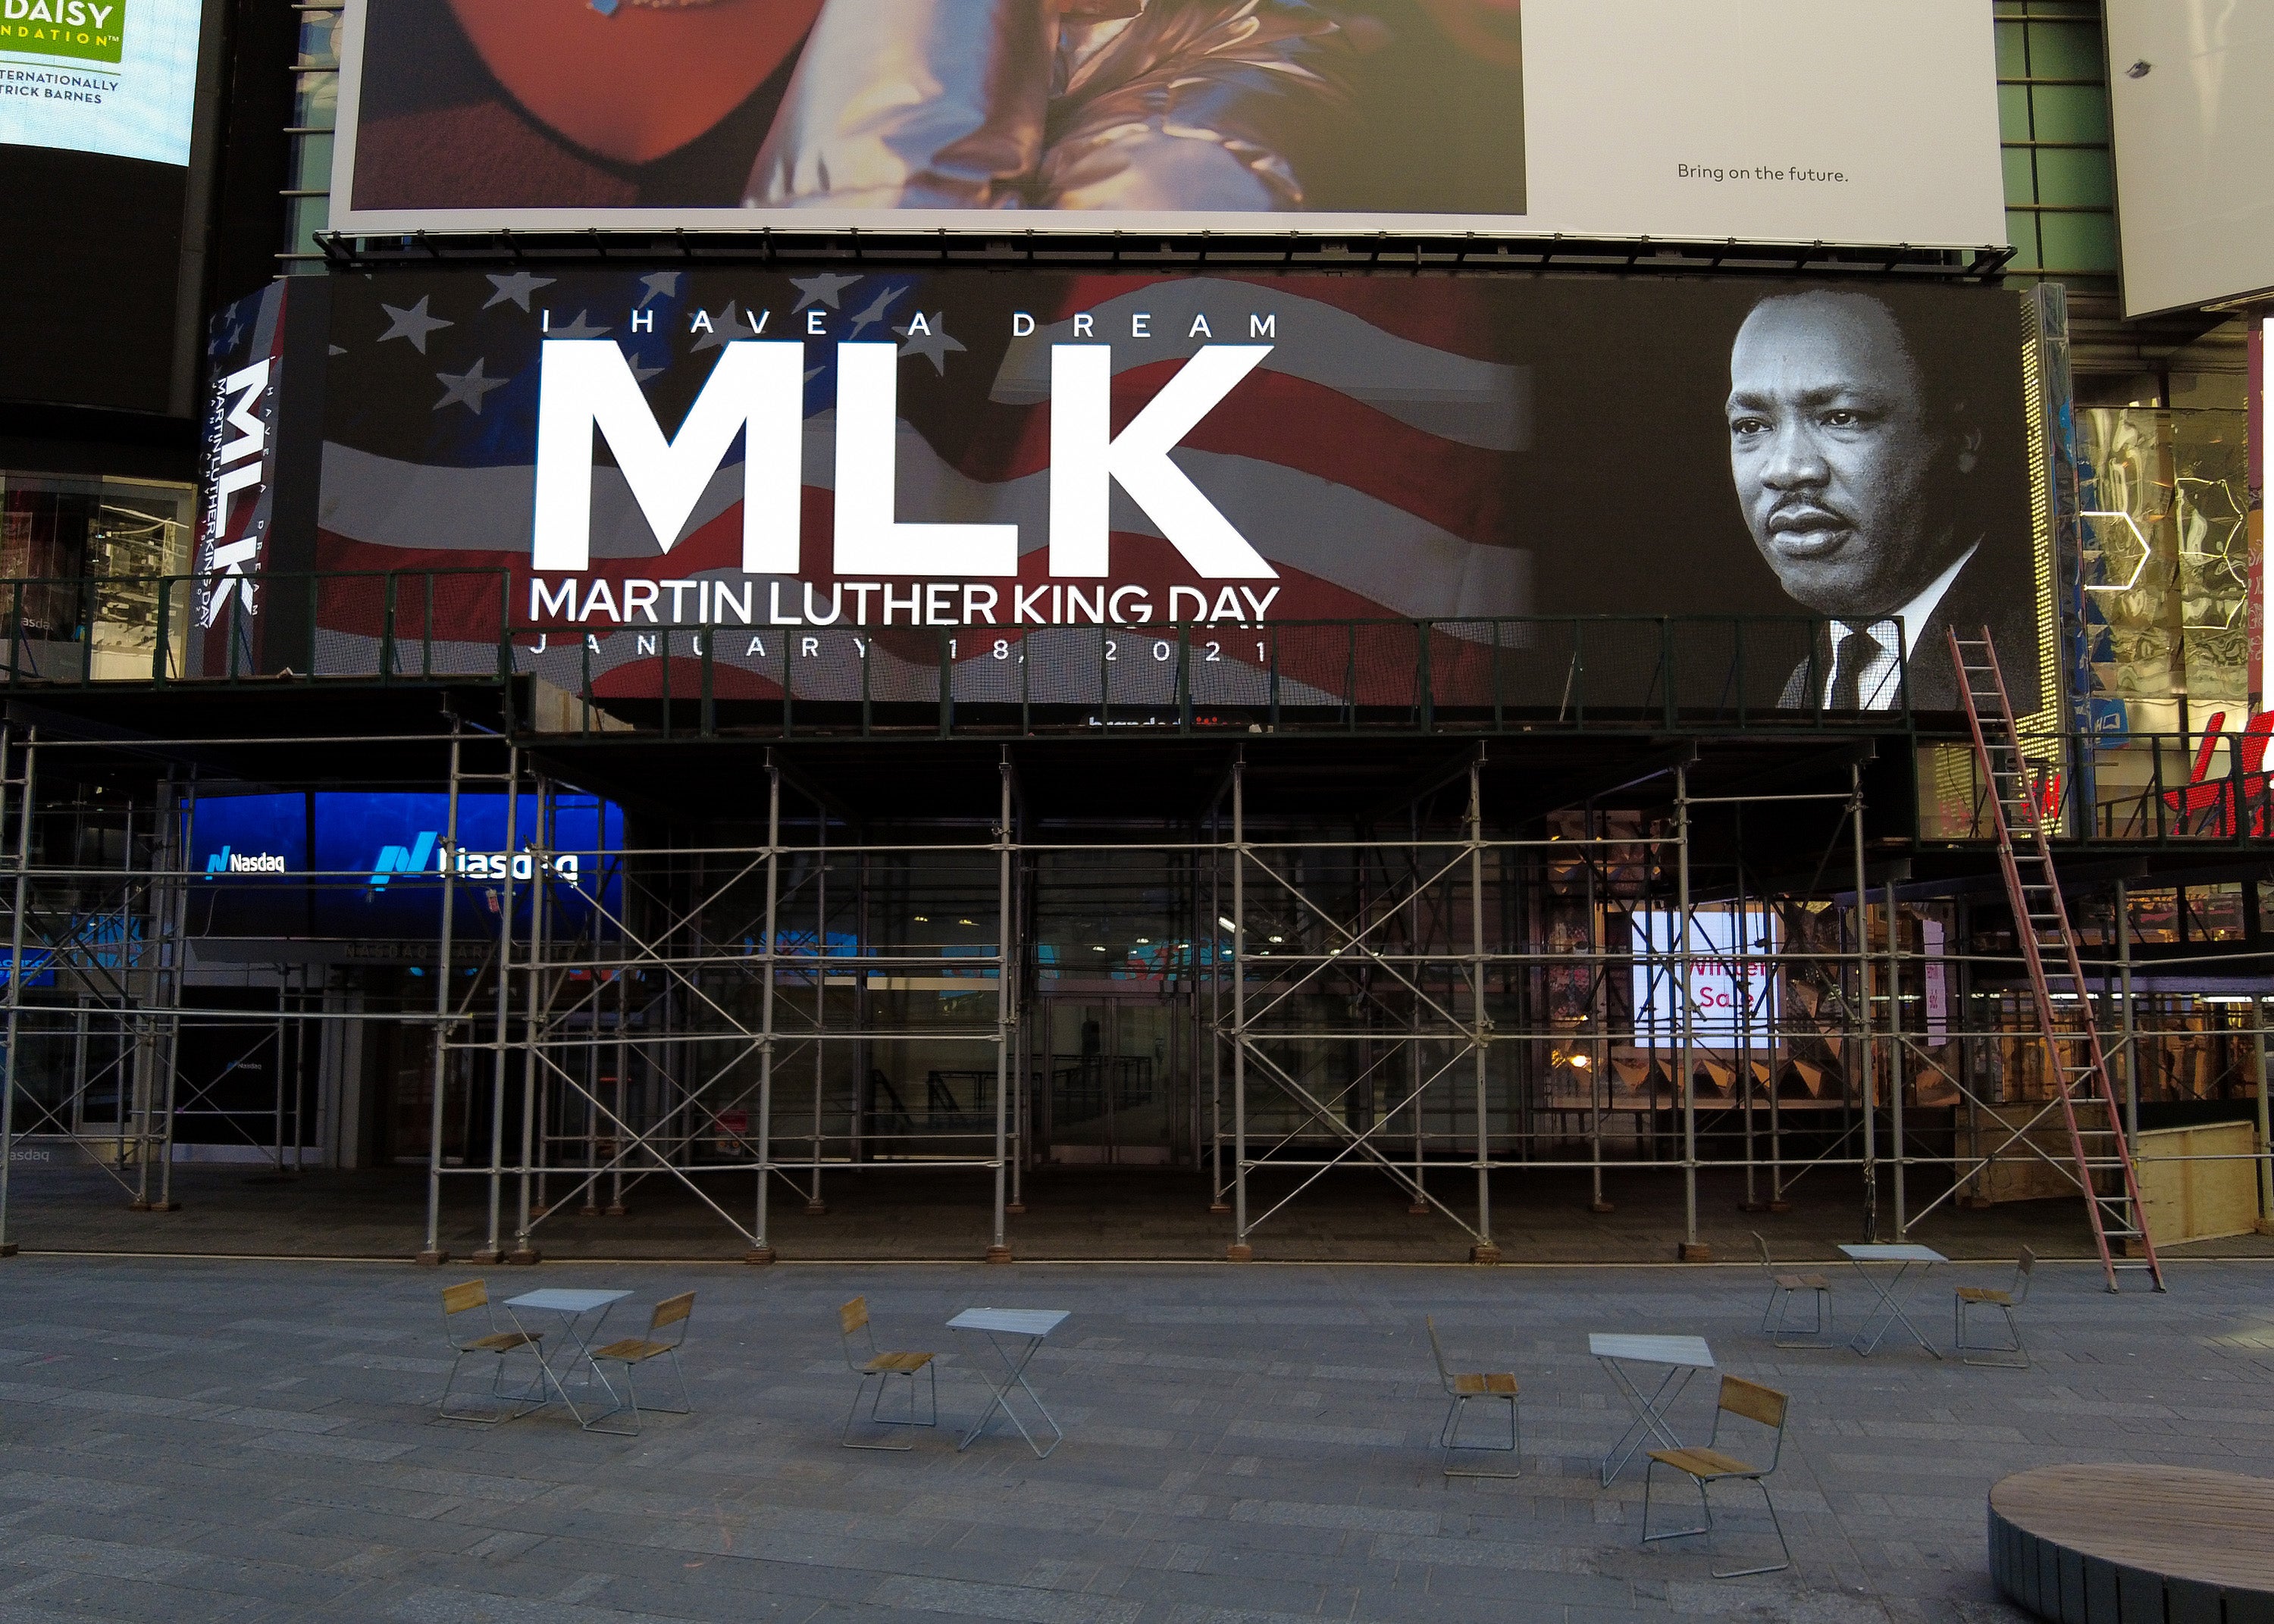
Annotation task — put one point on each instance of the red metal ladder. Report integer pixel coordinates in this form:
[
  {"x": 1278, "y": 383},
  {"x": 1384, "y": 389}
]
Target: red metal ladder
[{"x": 2041, "y": 926}]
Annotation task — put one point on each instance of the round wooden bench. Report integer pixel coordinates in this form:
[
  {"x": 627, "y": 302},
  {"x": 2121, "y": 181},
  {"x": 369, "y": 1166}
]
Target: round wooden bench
[{"x": 2135, "y": 1545}]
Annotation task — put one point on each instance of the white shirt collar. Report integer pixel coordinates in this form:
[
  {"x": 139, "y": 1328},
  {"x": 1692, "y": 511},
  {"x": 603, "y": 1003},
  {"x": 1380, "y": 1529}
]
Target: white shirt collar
[{"x": 1915, "y": 614}]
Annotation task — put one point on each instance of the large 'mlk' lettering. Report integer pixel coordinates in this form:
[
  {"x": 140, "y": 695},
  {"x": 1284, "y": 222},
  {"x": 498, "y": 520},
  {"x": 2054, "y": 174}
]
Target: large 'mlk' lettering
[{"x": 757, "y": 389}]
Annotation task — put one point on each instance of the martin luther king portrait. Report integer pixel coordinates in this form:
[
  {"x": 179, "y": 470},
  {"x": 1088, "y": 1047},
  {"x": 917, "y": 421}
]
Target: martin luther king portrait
[{"x": 1873, "y": 456}]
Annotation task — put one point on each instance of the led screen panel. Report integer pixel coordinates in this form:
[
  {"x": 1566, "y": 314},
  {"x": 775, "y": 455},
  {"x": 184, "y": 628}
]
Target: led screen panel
[
  {"x": 859, "y": 480},
  {"x": 335, "y": 864},
  {"x": 1730, "y": 999},
  {"x": 1696, "y": 119},
  {"x": 116, "y": 78}
]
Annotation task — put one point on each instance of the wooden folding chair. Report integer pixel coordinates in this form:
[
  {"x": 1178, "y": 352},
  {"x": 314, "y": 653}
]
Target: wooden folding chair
[
  {"x": 1464, "y": 1388},
  {"x": 1749, "y": 1401},
  {"x": 1783, "y": 1288},
  {"x": 881, "y": 1367},
  {"x": 496, "y": 1344},
  {"x": 672, "y": 1314},
  {"x": 2016, "y": 1357}
]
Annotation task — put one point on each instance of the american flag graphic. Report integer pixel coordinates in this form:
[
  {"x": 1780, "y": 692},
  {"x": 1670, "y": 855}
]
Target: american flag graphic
[{"x": 1366, "y": 459}]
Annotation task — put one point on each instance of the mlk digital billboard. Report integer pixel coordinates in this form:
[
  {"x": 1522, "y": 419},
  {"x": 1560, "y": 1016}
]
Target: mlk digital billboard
[
  {"x": 827, "y": 470},
  {"x": 1864, "y": 122}
]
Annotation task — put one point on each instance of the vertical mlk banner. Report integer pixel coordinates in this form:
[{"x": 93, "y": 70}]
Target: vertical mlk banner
[
  {"x": 237, "y": 493},
  {"x": 253, "y": 608}
]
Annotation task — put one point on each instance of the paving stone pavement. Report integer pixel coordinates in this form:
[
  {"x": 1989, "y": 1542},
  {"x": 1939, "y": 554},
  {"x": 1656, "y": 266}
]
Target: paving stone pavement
[{"x": 195, "y": 1440}]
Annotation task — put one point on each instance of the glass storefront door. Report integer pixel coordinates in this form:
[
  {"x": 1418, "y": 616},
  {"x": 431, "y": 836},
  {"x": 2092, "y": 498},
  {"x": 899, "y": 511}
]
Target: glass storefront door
[{"x": 1110, "y": 1079}]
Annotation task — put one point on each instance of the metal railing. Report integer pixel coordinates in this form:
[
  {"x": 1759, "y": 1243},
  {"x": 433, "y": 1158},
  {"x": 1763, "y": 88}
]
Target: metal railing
[
  {"x": 2176, "y": 788},
  {"x": 1446, "y": 674},
  {"x": 167, "y": 629}
]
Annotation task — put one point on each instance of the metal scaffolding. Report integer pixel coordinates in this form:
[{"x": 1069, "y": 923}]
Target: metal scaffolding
[{"x": 1454, "y": 996}]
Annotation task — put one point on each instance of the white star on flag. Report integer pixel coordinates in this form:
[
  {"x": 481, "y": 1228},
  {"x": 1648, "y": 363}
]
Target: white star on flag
[
  {"x": 731, "y": 326},
  {"x": 933, "y": 346},
  {"x": 467, "y": 389},
  {"x": 582, "y": 328},
  {"x": 875, "y": 313},
  {"x": 413, "y": 324},
  {"x": 516, "y": 287},
  {"x": 821, "y": 289},
  {"x": 659, "y": 285}
]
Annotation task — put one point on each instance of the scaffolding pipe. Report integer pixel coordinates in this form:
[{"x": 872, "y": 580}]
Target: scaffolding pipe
[
  {"x": 2266, "y": 1144},
  {"x": 1692, "y": 1248},
  {"x": 532, "y": 1139},
  {"x": 1863, "y": 1020},
  {"x": 761, "y": 1249},
  {"x": 2128, "y": 1039},
  {"x": 1895, "y": 1067},
  {"x": 492, "y": 1251},
  {"x": 1241, "y": 1251},
  {"x": 815, "y": 1205},
  {"x": 173, "y": 967},
  {"x": 433, "y": 1254},
  {"x": 1481, "y": 1036},
  {"x": 1599, "y": 1051},
  {"x": 998, "y": 1251},
  {"x": 15, "y": 965}
]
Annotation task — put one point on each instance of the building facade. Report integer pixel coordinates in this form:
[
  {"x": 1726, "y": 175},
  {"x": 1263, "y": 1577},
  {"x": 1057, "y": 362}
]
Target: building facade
[{"x": 1324, "y": 665}]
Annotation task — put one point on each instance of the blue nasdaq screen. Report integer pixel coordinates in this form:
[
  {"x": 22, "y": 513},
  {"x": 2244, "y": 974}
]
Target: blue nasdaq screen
[{"x": 328, "y": 863}]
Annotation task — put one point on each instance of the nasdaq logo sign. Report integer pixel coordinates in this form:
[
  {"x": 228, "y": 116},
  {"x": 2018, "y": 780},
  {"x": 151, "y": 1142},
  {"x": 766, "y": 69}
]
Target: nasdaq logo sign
[
  {"x": 228, "y": 861},
  {"x": 395, "y": 860},
  {"x": 414, "y": 858}
]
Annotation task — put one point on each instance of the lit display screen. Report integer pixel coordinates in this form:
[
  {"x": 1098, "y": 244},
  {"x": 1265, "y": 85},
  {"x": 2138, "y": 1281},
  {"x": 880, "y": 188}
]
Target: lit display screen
[
  {"x": 333, "y": 864},
  {"x": 113, "y": 77},
  {"x": 1728, "y": 1000}
]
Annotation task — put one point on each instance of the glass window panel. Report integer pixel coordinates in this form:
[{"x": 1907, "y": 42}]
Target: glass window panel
[
  {"x": 306, "y": 217},
  {"x": 311, "y": 162},
  {"x": 2226, "y": 391},
  {"x": 142, "y": 529},
  {"x": 319, "y": 40},
  {"x": 120, "y": 532},
  {"x": 2014, "y": 113},
  {"x": 2064, "y": 50},
  {"x": 2070, "y": 112},
  {"x": 2155, "y": 915},
  {"x": 2079, "y": 243},
  {"x": 315, "y": 100},
  {"x": 2013, "y": 51},
  {"x": 2020, "y": 176},
  {"x": 2215, "y": 912},
  {"x": 2074, "y": 179},
  {"x": 2021, "y": 231},
  {"x": 2209, "y": 515}
]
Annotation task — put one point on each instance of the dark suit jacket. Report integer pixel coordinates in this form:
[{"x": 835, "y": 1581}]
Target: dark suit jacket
[{"x": 1982, "y": 594}]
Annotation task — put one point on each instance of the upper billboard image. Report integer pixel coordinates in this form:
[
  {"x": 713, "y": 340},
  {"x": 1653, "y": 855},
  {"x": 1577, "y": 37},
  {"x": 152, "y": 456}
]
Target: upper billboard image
[{"x": 1748, "y": 119}]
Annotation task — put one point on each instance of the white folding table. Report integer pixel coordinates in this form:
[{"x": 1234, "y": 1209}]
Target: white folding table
[
  {"x": 1031, "y": 1326},
  {"x": 1891, "y": 1296},
  {"x": 572, "y": 1306},
  {"x": 1683, "y": 1357}
]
